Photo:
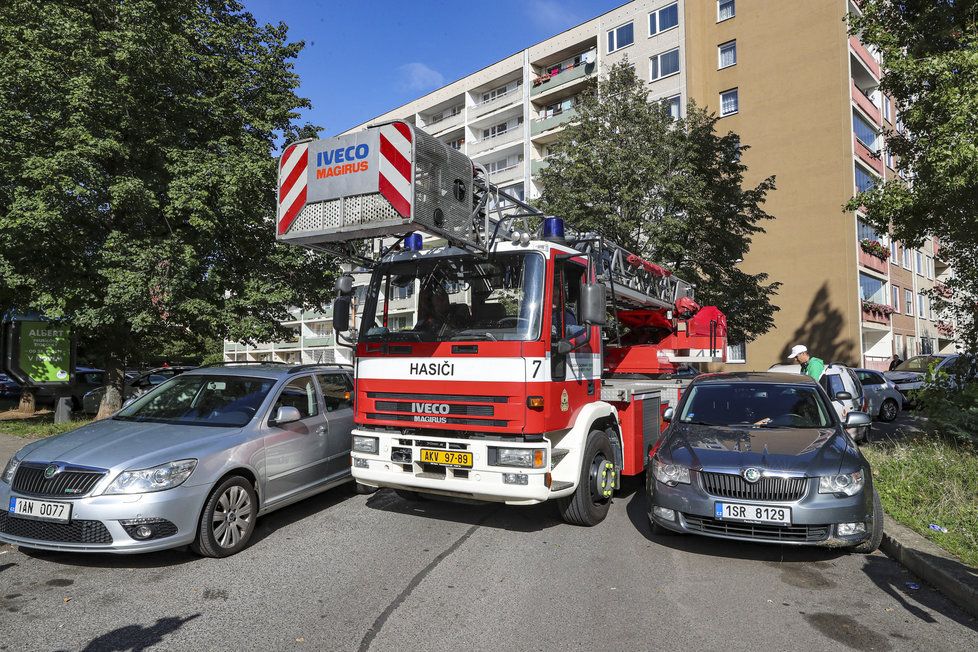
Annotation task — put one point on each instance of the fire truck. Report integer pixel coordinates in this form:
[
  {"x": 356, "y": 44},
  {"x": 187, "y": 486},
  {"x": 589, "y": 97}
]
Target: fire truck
[{"x": 540, "y": 358}]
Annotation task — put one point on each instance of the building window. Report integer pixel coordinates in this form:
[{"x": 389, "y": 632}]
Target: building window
[
  {"x": 502, "y": 90},
  {"x": 886, "y": 107},
  {"x": 727, "y": 54},
  {"x": 865, "y": 133},
  {"x": 871, "y": 289},
  {"x": 664, "y": 19},
  {"x": 864, "y": 180},
  {"x": 729, "y": 102},
  {"x": 866, "y": 232},
  {"x": 620, "y": 37},
  {"x": 663, "y": 65},
  {"x": 920, "y": 262},
  {"x": 908, "y": 301},
  {"x": 674, "y": 106},
  {"x": 725, "y": 9},
  {"x": 921, "y": 307},
  {"x": 457, "y": 143},
  {"x": 896, "y": 297},
  {"x": 894, "y": 255},
  {"x": 930, "y": 267},
  {"x": 737, "y": 353},
  {"x": 906, "y": 257}
]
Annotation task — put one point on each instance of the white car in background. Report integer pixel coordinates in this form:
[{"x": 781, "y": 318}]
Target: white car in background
[{"x": 844, "y": 389}]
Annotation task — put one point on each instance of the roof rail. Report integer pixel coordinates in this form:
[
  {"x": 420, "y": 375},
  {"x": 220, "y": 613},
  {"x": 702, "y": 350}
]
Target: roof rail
[
  {"x": 303, "y": 367},
  {"x": 242, "y": 362}
]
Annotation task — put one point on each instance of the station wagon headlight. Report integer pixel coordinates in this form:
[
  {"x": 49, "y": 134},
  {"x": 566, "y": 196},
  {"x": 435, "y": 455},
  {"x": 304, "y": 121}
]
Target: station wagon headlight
[
  {"x": 670, "y": 474},
  {"x": 363, "y": 444},
  {"x": 158, "y": 478},
  {"x": 10, "y": 470},
  {"x": 849, "y": 484}
]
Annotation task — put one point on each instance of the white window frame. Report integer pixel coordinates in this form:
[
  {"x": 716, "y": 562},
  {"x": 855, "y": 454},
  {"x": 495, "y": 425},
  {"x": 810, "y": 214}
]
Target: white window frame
[
  {"x": 667, "y": 102},
  {"x": 732, "y": 15},
  {"x": 615, "y": 32},
  {"x": 736, "y": 91},
  {"x": 720, "y": 47},
  {"x": 731, "y": 358},
  {"x": 658, "y": 65},
  {"x": 895, "y": 297},
  {"x": 908, "y": 301},
  {"x": 654, "y": 15}
]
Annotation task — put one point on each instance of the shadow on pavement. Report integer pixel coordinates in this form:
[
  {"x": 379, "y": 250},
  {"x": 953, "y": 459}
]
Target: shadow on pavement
[
  {"x": 137, "y": 637},
  {"x": 160, "y": 559},
  {"x": 695, "y": 544},
  {"x": 892, "y": 579},
  {"x": 270, "y": 523}
]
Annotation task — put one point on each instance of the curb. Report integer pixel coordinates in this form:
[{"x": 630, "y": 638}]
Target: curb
[{"x": 932, "y": 564}]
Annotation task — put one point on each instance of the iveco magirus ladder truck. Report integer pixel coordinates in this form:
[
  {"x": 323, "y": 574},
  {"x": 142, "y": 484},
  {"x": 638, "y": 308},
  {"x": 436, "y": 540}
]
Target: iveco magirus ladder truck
[{"x": 537, "y": 365}]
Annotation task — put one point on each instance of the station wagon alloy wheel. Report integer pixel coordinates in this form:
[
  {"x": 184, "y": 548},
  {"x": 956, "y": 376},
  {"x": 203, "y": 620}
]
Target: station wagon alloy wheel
[
  {"x": 228, "y": 518},
  {"x": 232, "y": 517}
]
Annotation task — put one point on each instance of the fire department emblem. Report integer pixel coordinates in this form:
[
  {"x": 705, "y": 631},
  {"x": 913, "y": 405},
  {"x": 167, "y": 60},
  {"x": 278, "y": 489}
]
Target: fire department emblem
[{"x": 564, "y": 401}]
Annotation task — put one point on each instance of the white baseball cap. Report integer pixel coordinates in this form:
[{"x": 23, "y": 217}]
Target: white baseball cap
[{"x": 797, "y": 350}]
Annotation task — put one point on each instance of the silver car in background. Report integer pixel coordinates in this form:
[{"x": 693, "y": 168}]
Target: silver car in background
[
  {"x": 885, "y": 400},
  {"x": 195, "y": 461}
]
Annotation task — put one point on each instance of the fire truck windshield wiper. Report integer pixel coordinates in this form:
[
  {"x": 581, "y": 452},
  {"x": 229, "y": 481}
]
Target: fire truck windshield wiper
[{"x": 470, "y": 335}]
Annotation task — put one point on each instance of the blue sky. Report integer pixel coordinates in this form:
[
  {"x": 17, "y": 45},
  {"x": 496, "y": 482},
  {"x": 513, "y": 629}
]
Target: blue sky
[{"x": 365, "y": 57}]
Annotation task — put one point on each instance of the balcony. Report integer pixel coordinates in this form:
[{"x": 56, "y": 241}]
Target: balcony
[
  {"x": 507, "y": 99},
  {"x": 233, "y": 346},
  {"x": 441, "y": 125},
  {"x": 870, "y": 158},
  {"x": 311, "y": 315},
  {"x": 870, "y": 261},
  {"x": 545, "y": 82},
  {"x": 506, "y": 175},
  {"x": 867, "y": 105},
  {"x": 295, "y": 344},
  {"x": 505, "y": 138},
  {"x": 326, "y": 340},
  {"x": 875, "y": 317},
  {"x": 542, "y": 125},
  {"x": 864, "y": 56},
  {"x": 537, "y": 166}
]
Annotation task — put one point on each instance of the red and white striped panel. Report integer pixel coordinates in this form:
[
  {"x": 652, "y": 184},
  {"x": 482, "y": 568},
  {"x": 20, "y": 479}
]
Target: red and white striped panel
[
  {"x": 396, "y": 176},
  {"x": 292, "y": 184}
]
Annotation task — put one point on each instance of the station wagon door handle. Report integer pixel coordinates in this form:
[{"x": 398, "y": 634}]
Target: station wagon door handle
[{"x": 323, "y": 430}]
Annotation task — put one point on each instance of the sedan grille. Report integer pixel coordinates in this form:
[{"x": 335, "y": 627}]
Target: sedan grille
[
  {"x": 728, "y": 485},
  {"x": 74, "y": 532},
  {"x": 70, "y": 483},
  {"x": 799, "y": 533}
]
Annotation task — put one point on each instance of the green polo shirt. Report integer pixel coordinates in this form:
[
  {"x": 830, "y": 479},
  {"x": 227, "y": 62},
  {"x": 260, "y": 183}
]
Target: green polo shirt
[{"x": 814, "y": 368}]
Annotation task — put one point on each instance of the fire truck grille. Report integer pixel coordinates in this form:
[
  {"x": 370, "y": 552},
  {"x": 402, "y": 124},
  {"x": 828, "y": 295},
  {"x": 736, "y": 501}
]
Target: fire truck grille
[
  {"x": 426, "y": 408},
  {"x": 436, "y": 418},
  {"x": 439, "y": 408}
]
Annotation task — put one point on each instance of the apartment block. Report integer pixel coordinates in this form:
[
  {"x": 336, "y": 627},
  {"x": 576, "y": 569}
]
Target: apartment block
[{"x": 800, "y": 92}]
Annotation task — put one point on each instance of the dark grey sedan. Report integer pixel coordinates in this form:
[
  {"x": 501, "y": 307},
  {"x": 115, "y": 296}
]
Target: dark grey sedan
[{"x": 763, "y": 457}]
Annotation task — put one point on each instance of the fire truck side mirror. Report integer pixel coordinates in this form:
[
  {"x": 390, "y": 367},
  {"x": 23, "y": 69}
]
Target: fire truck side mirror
[
  {"x": 594, "y": 304},
  {"x": 344, "y": 284},
  {"x": 341, "y": 313}
]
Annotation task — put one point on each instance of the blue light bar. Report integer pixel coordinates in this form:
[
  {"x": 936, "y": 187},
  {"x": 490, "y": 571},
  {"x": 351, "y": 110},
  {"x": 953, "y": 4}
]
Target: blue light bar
[
  {"x": 553, "y": 228},
  {"x": 413, "y": 242}
]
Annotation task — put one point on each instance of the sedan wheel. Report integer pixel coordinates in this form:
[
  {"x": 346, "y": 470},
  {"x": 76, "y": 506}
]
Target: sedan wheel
[
  {"x": 889, "y": 410},
  {"x": 228, "y": 519}
]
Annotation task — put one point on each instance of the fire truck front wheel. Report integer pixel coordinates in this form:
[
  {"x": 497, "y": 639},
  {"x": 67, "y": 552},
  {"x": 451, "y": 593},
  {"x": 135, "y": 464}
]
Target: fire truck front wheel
[{"x": 590, "y": 503}]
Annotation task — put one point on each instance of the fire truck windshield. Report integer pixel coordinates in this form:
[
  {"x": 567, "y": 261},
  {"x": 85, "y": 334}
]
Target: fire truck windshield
[{"x": 456, "y": 298}]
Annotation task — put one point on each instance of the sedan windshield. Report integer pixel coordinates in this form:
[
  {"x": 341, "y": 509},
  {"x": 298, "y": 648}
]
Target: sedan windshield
[
  {"x": 921, "y": 363},
  {"x": 199, "y": 400},
  {"x": 759, "y": 405},
  {"x": 459, "y": 298}
]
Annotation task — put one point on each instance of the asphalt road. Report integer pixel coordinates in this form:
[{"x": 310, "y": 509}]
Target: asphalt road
[{"x": 348, "y": 572}]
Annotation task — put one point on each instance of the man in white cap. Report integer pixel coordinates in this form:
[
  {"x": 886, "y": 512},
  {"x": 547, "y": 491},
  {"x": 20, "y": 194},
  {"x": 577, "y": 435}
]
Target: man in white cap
[{"x": 809, "y": 365}]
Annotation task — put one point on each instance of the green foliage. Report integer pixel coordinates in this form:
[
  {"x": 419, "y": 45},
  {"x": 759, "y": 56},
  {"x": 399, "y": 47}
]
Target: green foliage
[
  {"x": 672, "y": 192},
  {"x": 928, "y": 481},
  {"x": 137, "y": 178},
  {"x": 950, "y": 401},
  {"x": 930, "y": 50}
]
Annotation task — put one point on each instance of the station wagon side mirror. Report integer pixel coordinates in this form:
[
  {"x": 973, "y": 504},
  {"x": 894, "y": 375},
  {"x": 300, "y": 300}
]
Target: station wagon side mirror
[
  {"x": 286, "y": 414},
  {"x": 843, "y": 396},
  {"x": 594, "y": 304},
  {"x": 668, "y": 414},
  {"x": 856, "y": 419},
  {"x": 129, "y": 401}
]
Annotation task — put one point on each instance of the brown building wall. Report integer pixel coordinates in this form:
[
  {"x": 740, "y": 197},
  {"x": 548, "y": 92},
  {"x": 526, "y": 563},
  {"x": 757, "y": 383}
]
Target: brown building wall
[{"x": 792, "y": 74}]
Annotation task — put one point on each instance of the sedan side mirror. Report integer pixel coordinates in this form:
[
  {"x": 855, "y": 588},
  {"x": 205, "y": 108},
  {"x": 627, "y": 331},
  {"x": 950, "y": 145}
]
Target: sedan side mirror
[
  {"x": 286, "y": 414},
  {"x": 843, "y": 396},
  {"x": 857, "y": 419},
  {"x": 668, "y": 414}
]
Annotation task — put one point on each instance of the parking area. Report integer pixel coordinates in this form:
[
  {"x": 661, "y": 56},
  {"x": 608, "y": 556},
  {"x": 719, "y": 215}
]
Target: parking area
[{"x": 348, "y": 572}]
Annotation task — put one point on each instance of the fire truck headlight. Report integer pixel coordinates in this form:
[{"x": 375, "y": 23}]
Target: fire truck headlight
[
  {"x": 531, "y": 458},
  {"x": 363, "y": 444}
]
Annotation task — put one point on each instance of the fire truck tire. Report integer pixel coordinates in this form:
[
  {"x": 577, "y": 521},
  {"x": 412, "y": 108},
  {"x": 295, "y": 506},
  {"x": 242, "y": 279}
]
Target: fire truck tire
[
  {"x": 590, "y": 503},
  {"x": 409, "y": 496}
]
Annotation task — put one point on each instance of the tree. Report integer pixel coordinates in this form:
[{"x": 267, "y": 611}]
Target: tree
[
  {"x": 930, "y": 68},
  {"x": 670, "y": 191},
  {"x": 137, "y": 178}
]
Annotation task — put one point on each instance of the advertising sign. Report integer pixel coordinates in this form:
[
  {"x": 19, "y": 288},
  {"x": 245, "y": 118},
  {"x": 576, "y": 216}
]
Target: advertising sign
[{"x": 38, "y": 352}]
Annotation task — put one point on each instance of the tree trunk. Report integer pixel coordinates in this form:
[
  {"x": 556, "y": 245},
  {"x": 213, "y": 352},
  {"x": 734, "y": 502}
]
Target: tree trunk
[
  {"x": 115, "y": 381},
  {"x": 28, "y": 401}
]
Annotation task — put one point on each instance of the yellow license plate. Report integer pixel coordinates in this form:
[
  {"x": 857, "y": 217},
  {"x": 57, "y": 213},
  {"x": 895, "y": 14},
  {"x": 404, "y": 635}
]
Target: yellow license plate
[{"x": 446, "y": 458}]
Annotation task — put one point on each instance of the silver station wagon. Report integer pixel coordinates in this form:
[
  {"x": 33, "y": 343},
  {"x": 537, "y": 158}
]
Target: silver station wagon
[{"x": 194, "y": 461}]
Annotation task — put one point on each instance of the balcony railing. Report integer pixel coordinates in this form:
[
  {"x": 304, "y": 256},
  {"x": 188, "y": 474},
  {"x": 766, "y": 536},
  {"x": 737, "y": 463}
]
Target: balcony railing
[
  {"x": 537, "y": 166},
  {"x": 546, "y": 82},
  {"x": 865, "y": 56},
  {"x": 498, "y": 102},
  {"x": 492, "y": 142},
  {"x": 867, "y": 156},
  {"x": 552, "y": 122},
  {"x": 326, "y": 340},
  {"x": 505, "y": 175},
  {"x": 865, "y": 103},
  {"x": 294, "y": 344},
  {"x": 870, "y": 261},
  {"x": 438, "y": 125}
]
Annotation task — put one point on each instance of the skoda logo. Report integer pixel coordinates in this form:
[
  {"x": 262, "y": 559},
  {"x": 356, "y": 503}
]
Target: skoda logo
[
  {"x": 52, "y": 470},
  {"x": 752, "y": 475}
]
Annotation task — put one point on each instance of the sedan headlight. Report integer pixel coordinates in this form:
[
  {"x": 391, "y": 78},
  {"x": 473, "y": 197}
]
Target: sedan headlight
[
  {"x": 670, "y": 474},
  {"x": 849, "y": 484},
  {"x": 10, "y": 470},
  {"x": 530, "y": 458},
  {"x": 363, "y": 444},
  {"x": 158, "y": 478}
]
